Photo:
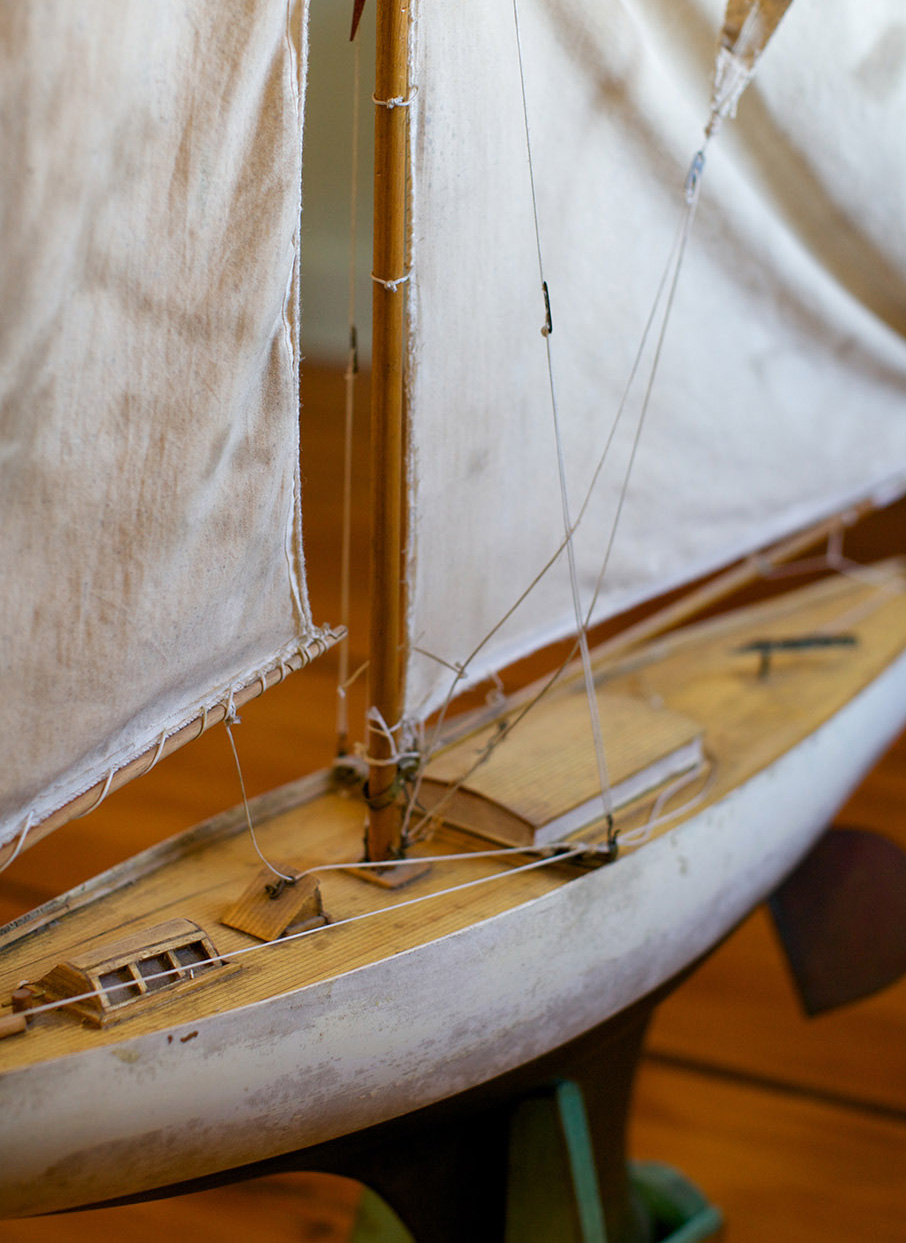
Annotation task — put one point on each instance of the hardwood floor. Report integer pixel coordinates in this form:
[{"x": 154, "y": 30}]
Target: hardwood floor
[{"x": 795, "y": 1127}]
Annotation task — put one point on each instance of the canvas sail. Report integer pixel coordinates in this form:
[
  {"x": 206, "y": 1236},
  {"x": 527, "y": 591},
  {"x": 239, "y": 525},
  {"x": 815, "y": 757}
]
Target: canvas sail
[
  {"x": 779, "y": 397},
  {"x": 150, "y": 540}
]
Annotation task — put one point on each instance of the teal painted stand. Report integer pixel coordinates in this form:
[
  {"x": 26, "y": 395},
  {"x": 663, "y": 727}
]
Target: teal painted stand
[
  {"x": 552, "y": 1190},
  {"x": 673, "y": 1204},
  {"x": 552, "y": 1193},
  {"x": 552, "y": 1184}
]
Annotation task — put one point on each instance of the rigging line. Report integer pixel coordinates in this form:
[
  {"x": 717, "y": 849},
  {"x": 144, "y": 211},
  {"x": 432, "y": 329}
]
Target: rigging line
[
  {"x": 568, "y": 529},
  {"x": 667, "y": 282},
  {"x": 352, "y": 367},
  {"x": 569, "y": 853},
  {"x": 657, "y": 817},
  {"x": 461, "y": 668},
  {"x": 556, "y": 848},
  {"x": 460, "y": 671},
  {"x": 674, "y": 262},
  {"x": 492, "y": 745},
  {"x": 633, "y": 371},
  {"x": 693, "y": 188},
  {"x": 245, "y": 803},
  {"x": 528, "y": 148},
  {"x": 355, "y": 675}
]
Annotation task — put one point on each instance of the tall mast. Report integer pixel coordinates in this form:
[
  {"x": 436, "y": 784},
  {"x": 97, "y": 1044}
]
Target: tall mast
[{"x": 387, "y": 413}]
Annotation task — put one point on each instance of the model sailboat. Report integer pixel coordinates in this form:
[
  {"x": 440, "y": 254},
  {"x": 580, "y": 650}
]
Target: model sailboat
[{"x": 185, "y": 1014}]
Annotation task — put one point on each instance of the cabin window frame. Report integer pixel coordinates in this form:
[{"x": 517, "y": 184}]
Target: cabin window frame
[{"x": 117, "y": 968}]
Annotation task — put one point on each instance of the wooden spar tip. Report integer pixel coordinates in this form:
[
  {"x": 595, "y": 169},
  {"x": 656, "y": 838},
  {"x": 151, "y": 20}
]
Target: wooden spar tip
[
  {"x": 357, "y": 10},
  {"x": 21, "y": 1001},
  {"x": 766, "y": 648},
  {"x": 12, "y": 1024}
]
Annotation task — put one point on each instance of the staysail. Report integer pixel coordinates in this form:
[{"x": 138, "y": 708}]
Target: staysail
[
  {"x": 150, "y": 533},
  {"x": 779, "y": 394}
]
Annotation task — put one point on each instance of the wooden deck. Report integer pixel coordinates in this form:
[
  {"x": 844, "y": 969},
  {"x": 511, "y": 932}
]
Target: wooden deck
[{"x": 795, "y": 1127}]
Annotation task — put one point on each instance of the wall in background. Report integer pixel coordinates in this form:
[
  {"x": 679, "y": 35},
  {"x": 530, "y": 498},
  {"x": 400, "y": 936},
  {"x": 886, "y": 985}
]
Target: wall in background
[{"x": 326, "y": 183}]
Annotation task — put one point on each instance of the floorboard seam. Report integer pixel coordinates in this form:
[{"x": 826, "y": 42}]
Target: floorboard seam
[{"x": 784, "y": 1087}]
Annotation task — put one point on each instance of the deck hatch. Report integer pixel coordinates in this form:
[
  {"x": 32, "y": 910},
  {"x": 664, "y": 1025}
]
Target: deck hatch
[{"x": 126, "y": 975}]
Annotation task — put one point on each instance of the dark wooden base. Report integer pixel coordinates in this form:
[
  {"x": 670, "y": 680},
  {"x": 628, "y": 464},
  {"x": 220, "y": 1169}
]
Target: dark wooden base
[{"x": 443, "y": 1169}]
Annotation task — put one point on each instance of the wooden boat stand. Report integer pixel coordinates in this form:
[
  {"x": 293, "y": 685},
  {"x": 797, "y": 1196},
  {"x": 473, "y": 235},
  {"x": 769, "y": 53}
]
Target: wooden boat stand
[{"x": 537, "y": 1155}]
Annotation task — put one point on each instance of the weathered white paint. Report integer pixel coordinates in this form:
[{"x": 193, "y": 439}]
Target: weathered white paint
[{"x": 389, "y": 1038}]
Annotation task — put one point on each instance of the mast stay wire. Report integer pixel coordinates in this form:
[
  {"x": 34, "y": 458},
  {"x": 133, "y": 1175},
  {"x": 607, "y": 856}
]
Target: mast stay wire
[
  {"x": 582, "y": 632},
  {"x": 667, "y": 285}
]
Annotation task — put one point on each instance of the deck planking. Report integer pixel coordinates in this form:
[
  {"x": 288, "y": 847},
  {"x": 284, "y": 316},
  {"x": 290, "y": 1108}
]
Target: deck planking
[{"x": 750, "y": 1121}]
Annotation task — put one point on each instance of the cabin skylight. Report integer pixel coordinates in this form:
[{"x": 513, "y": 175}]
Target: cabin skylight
[{"x": 123, "y": 977}]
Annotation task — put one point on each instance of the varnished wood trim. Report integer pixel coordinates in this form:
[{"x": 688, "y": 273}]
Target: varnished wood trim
[{"x": 386, "y": 664}]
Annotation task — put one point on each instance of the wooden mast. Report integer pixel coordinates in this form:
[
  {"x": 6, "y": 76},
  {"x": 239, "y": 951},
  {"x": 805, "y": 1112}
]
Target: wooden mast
[{"x": 387, "y": 413}]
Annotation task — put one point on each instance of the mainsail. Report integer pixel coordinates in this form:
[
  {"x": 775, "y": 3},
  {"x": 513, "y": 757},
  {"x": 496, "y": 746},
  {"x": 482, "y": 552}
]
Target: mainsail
[
  {"x": 779, "y": 394},
  {"x": 150, "y": 536}
]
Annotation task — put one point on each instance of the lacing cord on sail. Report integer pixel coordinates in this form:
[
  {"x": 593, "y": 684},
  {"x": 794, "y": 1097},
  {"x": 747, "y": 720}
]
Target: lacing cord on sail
[
  {"x": 27, "y": 825},
  {"x": 90, "y": 797},
  {"x": 391, "y": 283},
  {"x": 104, "y": 791},
  {"x": 398, "y": 101},
  {"x": 155, "y": 759}
]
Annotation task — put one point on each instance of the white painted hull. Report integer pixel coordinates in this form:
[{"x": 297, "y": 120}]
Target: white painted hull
[{"x": 380, "y": 1041}]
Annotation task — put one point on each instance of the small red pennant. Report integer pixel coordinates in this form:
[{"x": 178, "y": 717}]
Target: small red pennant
[{"x": 357, "y": 8}]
